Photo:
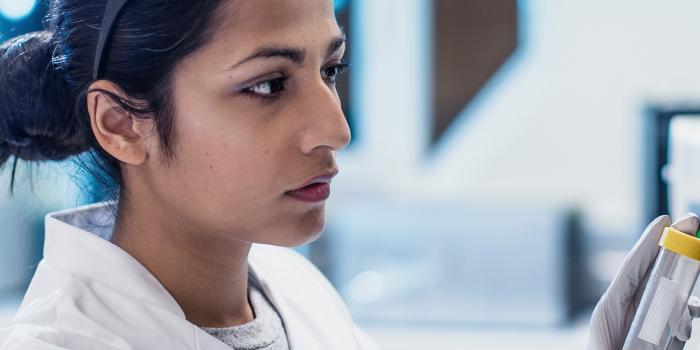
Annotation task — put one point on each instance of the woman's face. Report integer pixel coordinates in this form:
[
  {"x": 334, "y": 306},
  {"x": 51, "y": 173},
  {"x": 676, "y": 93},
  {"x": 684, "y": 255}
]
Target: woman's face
[{"x": 256, "y": 115}]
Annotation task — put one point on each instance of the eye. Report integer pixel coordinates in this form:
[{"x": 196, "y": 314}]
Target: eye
[
  {"x": 330, "y": 74},
  {"x": 266, "y": 89}
]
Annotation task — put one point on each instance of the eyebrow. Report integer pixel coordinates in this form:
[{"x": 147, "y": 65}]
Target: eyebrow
[
  {"x": 295, "y": 55},
  {"x": 336, "y": 43}
]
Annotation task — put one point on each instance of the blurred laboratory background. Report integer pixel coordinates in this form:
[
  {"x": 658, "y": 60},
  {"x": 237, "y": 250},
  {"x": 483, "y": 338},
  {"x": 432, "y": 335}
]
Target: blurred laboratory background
[{"x": 505, "y": 157}]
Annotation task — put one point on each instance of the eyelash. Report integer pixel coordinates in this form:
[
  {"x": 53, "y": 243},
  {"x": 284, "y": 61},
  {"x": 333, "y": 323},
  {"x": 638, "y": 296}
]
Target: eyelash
[{"x": 278, "y": 84}]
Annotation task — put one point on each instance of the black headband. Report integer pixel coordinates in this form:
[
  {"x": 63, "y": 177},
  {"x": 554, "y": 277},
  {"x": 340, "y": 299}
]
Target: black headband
[{"x": 111, "y": 12}]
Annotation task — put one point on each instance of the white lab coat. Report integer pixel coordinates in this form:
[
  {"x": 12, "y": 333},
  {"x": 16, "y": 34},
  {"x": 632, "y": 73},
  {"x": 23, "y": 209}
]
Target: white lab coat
[{"x": 87, "y": 293}]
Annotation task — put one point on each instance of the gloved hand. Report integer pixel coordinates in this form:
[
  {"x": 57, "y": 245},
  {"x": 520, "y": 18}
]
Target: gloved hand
[{"x": 613, "y": 315}]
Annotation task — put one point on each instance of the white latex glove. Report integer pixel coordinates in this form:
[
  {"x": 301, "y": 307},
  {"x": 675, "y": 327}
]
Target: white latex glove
[{"x": 613, "y": 315}]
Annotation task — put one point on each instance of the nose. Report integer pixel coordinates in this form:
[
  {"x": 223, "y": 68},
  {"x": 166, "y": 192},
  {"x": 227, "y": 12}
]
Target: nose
[{"x": 326, "y": 124}]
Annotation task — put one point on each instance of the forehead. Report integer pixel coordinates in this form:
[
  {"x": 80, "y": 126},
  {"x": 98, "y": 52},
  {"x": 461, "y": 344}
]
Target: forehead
[
  {"x": 244, "y": 26},
  {"x": 256, "y": 22}
]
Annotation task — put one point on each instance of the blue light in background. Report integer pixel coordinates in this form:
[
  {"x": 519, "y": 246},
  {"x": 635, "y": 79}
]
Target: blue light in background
[
  {"x": 338, "y": 4},
  {"x": 15, "y": 10}
]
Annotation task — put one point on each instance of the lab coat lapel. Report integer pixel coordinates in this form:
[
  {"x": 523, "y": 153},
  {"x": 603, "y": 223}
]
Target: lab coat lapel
[
  {"x": 205, "y": 341},
  {"x": 73, "y": 249},
  {"x": 298, "y": 337}
]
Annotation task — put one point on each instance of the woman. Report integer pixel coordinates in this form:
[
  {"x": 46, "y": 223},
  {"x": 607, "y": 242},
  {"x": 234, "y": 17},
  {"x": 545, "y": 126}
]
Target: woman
[{"x": 214, "y": 125}]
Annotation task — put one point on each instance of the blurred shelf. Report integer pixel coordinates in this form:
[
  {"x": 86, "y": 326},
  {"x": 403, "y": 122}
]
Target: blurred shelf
[{"x": 573, "y": 336}]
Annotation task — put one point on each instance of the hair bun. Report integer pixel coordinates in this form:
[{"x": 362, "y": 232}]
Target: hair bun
[{"x": 37, "y": 121}]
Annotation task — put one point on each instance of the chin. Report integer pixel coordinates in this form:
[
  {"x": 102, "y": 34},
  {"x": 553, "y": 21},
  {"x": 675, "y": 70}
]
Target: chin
[
  {"x": 307, "y": 229},
  {"x": 296, "y": 230},
  {"x": 295, "y": 239}
]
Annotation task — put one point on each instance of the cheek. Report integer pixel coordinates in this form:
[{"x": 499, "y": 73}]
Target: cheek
[
  {"x": 224, "y": 165},
  {"x": 233, "y": 184}
]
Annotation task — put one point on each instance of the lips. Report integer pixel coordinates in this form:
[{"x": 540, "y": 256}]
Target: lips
[{"x": 315, "y": 190}]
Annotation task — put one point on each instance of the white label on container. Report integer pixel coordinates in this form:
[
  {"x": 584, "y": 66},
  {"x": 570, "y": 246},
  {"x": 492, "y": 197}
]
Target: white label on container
[{"x": 659, "y": 311}]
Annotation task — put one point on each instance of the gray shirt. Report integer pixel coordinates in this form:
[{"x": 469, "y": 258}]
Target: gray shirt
[{"x": 265, "y": 332}]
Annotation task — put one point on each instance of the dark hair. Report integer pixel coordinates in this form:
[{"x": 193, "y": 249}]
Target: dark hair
[{"x": 45, "y": 76}]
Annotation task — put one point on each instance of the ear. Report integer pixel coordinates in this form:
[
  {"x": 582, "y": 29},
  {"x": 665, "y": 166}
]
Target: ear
[{"x": 119, "y": 133}]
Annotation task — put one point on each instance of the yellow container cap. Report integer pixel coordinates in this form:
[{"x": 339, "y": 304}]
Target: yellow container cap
[{"x": 681, "y": 243}]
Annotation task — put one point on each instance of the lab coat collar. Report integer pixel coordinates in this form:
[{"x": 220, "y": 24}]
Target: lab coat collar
[
  {"x": 69, "y": 246},
  {"x": 78, "y": 241}
]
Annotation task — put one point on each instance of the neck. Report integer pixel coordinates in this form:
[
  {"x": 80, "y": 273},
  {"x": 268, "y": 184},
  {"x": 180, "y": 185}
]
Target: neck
[{"x": 208, "y": 277}]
